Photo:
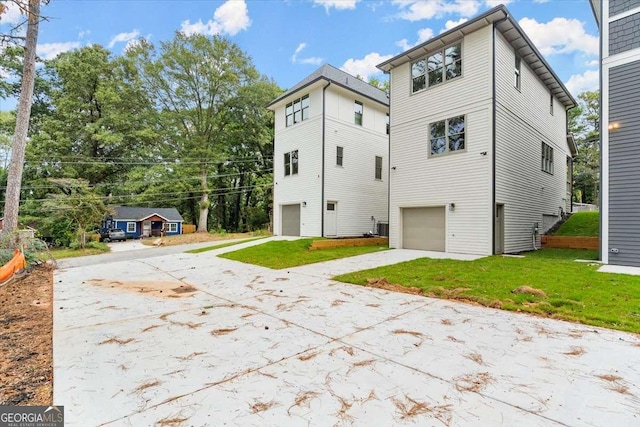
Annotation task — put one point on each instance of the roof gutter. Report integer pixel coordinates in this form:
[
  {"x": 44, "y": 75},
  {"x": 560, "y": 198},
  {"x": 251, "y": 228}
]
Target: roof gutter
[{"x": 324, "y": 106}]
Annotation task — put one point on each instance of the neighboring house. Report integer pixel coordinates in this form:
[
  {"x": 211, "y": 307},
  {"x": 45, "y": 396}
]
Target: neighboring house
[
  {"x": 330, "y": 156},
  {"x": 145, "y": 222},
  {"x": 619, "y": 24},
  {"x": 480, "y": 155}
]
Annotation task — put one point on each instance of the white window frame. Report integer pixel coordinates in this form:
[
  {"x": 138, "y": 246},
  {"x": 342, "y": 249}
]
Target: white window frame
[
  {"x": 296, "y": 111},
  {"x": 447, "y": 151},
  {"x": 378, "y": 169},
  {"x": 358, "y": 113},
  {"x": 172, "y": 227},
  {"x": 444, "y": 64},
  {"x": 547, "y": 158},
  {"x": 293, "y": 160},
  {"x": 129, "y": 224},
  {"x": 517, "y": 72}
]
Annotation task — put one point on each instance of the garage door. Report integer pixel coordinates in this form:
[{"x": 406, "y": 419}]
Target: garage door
[
  {"x": 290, "y": 220},
  {"x": 424, "y": 229}
]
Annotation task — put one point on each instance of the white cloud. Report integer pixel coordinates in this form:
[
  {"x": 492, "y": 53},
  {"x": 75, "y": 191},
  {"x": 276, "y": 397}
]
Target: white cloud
[
  {"x": 593, "y": 63},
  {"x": 313, "y": 60},
  {"x": 494, "y": 3},
  {"x": 337, "y": 4},
  {"x": 51, "y": 50},
  {"x": 230, "y": 18},
  {"x": 541, "y": 1},
  {"x": 12, "y": 13},
  {"x": 84, "y": 33},
  {"x": 424, "y": 34},
  {"x": 578, "y": 83},
  {"x": 123, "y": 37},
  {"x": 560, "y": 35},
  {"x": 416, "y": 10},
  {"x": 452, "y": 24},
  {"x": 365, "y": 67}
]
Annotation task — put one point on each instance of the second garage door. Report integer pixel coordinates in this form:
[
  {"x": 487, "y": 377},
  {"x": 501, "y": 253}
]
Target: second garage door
[
  {"x": 424, "y": 228},
  {"x": 290, "y": 220}
]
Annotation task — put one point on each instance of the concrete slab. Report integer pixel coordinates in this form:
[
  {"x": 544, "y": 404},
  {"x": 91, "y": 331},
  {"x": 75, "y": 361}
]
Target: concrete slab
[
  {"x": 620, "y": 269},
  {"x": 254, "y": 346}
]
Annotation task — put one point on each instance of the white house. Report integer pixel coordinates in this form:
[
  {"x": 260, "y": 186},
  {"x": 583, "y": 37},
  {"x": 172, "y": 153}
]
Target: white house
[
  {"x": 619, "y": 24},
  {"x": 330, "y": 156},
  {"x": 479, "y": 151}
]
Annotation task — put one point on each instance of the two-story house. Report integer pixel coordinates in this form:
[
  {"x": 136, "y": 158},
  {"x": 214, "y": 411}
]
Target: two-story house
[
  {"x": 330, "y": 156},
  {"x": 479, "y": 151},
  {"x": 619, "y": 23}
]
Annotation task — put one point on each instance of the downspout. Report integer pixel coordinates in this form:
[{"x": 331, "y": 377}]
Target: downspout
[{"x": 324, "y": 89}]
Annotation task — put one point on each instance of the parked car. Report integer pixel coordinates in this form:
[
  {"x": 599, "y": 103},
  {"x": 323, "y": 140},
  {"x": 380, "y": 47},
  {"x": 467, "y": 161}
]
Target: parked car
[{"x": 113, "y": 234}]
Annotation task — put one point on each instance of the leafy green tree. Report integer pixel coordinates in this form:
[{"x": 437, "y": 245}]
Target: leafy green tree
[{"x": 584, "y": 123}]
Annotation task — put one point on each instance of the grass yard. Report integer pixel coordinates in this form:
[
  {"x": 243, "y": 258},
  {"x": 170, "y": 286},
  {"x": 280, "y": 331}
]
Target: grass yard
[
  {"x": 221, "y": 245},
  {"x": 573, "y": 291},
  {"x": 585, "y": 224},
  {"x": 285, "y": 254},
  {"x": 182, "y": 239},
  {"x": 60, "y": 253}
]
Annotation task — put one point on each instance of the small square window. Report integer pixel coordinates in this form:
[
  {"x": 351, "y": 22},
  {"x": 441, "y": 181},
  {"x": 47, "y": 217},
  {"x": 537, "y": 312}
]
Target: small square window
[{"x": 339, "y": 155}]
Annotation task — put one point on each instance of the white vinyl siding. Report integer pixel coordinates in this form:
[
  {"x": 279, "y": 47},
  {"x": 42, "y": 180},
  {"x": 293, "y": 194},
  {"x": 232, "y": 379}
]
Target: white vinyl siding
[
  {"x": 464, "y": 178},
  {"x": 522, "y": 122}
]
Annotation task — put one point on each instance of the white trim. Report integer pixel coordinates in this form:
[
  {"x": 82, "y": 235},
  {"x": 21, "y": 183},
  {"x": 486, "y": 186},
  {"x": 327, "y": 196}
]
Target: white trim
[
  {"x": 135, "y": 227},
  {"x": 622, "y": 15},
  {"x": 622, "y": 58},
  {"x": 169, "y": 224},
  {"x": 604, "y": 31},
  {"x": 604, "y": 173}
]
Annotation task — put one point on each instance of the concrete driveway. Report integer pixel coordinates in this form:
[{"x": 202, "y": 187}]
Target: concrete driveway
[{"x": 196, "y": 340}]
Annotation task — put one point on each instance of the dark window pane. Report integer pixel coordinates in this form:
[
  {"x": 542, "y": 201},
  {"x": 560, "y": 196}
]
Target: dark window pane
[
  {"x": 456, "y": 142},
  {"x": 419, "y": 83},
  {"x": 454, "y": 70},
  {"x": 417, "y": 68},
  {"x": 287, "y": 164},
  {"x": 438, "y": 145},
  {"x": 331, "y": 206},
  {"x": 452, "y": 54},
  {"x": 437, "y": 130},
  {"x": 435, "y": 77},
  {"x": 294, "y": 162},
  {"x": 456, "y": 125}
]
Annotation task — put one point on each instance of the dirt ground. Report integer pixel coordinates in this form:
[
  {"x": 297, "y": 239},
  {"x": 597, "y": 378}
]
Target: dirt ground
[
  {"x": 26, "y": 339},
  {"x": 197, "y": 238}
]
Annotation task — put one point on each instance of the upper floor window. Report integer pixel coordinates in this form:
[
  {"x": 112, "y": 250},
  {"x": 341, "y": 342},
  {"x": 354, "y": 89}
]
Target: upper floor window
[
  {"x": 291, "y": 163},
  {"x": 297, "y": 110},
  {"x": 388, "y": 124},
  {"x": 547, "y": 158},
  {"x": 357, "y": 110},
  {"x": 551, "y": 104},
  {"x": 440, "y": 66},
  {"x": 378, "y": 167},
  {"x": 339, "y": 155},
  {"x": 447, "y": 136},
  {"x": 516, "y": 72}
]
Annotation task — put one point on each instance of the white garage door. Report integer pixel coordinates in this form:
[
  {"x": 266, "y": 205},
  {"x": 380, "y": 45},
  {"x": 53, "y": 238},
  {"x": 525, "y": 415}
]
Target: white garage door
[
  {"x": 290, "y": 220},
  {"x": 424, "y": 229}
]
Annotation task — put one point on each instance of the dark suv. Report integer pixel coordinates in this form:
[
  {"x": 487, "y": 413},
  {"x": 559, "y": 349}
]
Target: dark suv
[{"x": 113, "y": 234}]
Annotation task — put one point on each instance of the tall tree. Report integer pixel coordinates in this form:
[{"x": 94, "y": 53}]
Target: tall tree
[
  {"x": 14, "y": 181},
  {"x": 193, "y": 79},
  {"x": 584, "y": 123}
]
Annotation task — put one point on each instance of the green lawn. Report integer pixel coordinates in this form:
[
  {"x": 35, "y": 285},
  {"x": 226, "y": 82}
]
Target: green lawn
[
  {"x": 222, "y": 245},
  {"x": 72, "y": 253},
  {"x": 285, "y": 254},
  {"x": 581, "y": 224},
  {"x": 574, "y": 291}
]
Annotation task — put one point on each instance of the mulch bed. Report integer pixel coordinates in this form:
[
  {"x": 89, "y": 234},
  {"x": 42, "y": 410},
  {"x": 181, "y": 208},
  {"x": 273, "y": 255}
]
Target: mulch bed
[{"x": 26, "y": 339}]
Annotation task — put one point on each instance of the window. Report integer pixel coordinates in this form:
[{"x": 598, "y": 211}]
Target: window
[
  {"x": 378, "y": 167},
  {"x": 440, "y": 66},
  {"x": 172, "y": 227},
  {"x": 388, "y": 124},
  {"x": 516, "y": 75},
  {"x": 547, "y": 158},
  {"x": 339, "y": 153},
  {"x": 291, "y": 163},
  {"x": 131, "y": 227},
  {"x": 551, "y": 104},
  {"x": 447, "y": 136},
  {"x": 331, "y": 206},
  {"x": 357, "y": 109},
  {"x": 297, "y": 111}
]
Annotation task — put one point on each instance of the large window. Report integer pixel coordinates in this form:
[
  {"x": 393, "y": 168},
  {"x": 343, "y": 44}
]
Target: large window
[
  {"x": 547, "y": 158},
  {"x": 297, "y": 111},
  {"x": 517, "y": 73},
  {"x": 378, "y": 167},
  {"x": 172, "y": 227},
  {"x": 357, "y": 110},
  {"x": 339, "y": 155},
  {"x": 131, "y": 227},
  {"x": 291, "y": 163},
  {"x": 447, "y": 136},
  {"x": 440, "y": 66}
]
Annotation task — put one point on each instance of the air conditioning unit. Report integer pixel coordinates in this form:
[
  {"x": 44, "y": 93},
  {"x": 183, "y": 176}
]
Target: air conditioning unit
[{"x": 383, "y": 229}]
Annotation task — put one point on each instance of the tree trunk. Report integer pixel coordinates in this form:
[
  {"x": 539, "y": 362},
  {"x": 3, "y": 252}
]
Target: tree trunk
[
  {"x": 204, "y": 205},
  {"x": 14, "y": 181}
]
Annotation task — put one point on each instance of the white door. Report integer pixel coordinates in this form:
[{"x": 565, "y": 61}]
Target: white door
[
  {"x": 331, "y": 219},
  {"x": 146, "y": 229},
  {"x": 424, "y": 228}
]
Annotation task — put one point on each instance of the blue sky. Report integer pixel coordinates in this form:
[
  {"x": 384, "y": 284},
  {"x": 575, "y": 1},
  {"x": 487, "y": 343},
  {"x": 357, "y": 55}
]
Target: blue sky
[{"x": 288, "y": 39}]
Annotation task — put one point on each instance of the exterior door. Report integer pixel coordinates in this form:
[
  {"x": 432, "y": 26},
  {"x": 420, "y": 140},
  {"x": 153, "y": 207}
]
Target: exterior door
[
  {"x": 424, "y": 228},
  {"x": 146, "y": 229},
  {"x": 331, "y": 219},
  {"x": 290, "y": 220},
  {"x": 499, "y": 229}
]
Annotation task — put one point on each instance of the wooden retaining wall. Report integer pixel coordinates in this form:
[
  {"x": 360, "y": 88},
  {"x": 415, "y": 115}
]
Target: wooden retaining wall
[
  {"x": 342, "y": 243},
  {"x": 570, "y": 242}
]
